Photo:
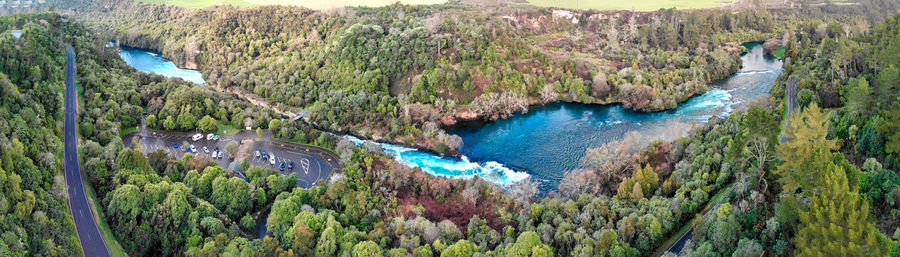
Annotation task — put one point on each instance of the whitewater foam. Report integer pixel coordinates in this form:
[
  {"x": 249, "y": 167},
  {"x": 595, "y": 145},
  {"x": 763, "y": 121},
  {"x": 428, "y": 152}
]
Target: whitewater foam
[{"x": 450, "y": 167}]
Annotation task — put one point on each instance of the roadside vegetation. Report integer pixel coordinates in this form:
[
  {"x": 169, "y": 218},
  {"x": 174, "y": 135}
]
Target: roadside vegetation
[
  {"x": 34, "y": 217},
  {"x": 840, "y": 165}
]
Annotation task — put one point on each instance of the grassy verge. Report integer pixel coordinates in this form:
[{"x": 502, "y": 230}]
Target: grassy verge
[
  {"x": 128, "y": 130},
  {"x": 684, "y": 228},
  {"x": 115, "y": 249},
  {"x": 226, "y": 130},
  {"x": 276, "y": 139}
]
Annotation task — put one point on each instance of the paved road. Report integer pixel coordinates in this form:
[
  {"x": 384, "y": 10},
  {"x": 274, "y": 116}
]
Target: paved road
[
  {"x": 791, "y": 95},
  {"x": 678, "y": 246},
  {"x": 92, "y": 243}
]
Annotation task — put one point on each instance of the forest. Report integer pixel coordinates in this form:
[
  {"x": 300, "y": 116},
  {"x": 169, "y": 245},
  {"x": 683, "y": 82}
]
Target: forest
[
  {"x": 394, "y": 73},
  {"x": 400, "y": 73}
]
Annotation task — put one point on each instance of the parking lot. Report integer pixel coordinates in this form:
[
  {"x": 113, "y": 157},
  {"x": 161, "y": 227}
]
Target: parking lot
[{"x": 310, "y": 163}]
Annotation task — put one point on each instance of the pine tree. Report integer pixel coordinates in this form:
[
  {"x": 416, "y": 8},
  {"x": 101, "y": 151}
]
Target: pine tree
[
  {"x": 837, "y": 222},
  {"x": 891, "y": 129},
  {"x": 806, "y": 150}
]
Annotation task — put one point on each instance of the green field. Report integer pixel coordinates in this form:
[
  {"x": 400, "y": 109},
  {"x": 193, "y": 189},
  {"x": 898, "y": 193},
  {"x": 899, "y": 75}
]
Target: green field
[
  {"x": 779, "y": 53},
  {"x": 642, "y": 5},
  {"x": 313, "y": 4}
]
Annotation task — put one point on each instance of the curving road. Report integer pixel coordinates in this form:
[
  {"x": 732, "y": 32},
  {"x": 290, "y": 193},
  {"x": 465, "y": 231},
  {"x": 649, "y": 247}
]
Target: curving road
[
  {"x": 791, "y": 95},
  {"x": 92, "y": 243}
]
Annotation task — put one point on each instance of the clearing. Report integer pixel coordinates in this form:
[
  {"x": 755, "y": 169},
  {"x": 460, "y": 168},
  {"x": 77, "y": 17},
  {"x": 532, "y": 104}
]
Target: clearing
[
  {"x": 643, "y": 5},
  {"x": 312, "y": 4}
]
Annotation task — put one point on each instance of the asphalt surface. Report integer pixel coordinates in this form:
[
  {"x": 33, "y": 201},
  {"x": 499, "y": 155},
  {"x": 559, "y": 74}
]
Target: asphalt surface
[
  {"x": 310, "y": 163},
  {"x": 92, "y": 243},
  {"x": 791, "y": 95}
]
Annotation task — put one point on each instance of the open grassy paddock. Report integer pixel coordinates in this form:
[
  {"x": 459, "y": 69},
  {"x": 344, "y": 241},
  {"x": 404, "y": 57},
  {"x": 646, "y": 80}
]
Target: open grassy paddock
[
  {"x": 312, "y": 4},
  {"x": 642, "y": 5}
]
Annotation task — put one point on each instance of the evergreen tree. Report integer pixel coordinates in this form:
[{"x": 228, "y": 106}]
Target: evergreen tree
[
  {"x": 837, "y": 222},
  {"x": 807, "y": 147}
]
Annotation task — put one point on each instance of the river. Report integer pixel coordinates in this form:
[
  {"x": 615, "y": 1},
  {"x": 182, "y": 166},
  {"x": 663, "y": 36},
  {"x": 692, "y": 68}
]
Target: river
[
  {"x": 150, "y": 61},
  {"x": 549, "y": 140}
]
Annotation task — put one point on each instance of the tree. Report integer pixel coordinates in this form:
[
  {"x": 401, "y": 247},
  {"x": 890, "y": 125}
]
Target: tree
[
  {"x": 231, "y": 148},
  {"x": 158, "y": 160},
  {"x": 462, "y": 248},
  {"x": 528, "y": 244},
  {"x": 304, "y": 241},
  {"x": 259, "y": 131},
  {"x": 169, "y": 123},
  {"x": 327, "y": 244},
  {"x": 859, "y": 96},
  {"x": 891, "y": 129},
  {"x": 837, "y": 222},
  {"x": 366, "y": 249},
  {"x": 806, "y": 147},
  {"x": 760, "y": 132},
  {"x": 151, "y": 121},
  {"x": 887, "y": 86},
  {"x": 274, "y": 124},
  {"x": 186, "y": 121},
  {"x": 207, "y": 124}
]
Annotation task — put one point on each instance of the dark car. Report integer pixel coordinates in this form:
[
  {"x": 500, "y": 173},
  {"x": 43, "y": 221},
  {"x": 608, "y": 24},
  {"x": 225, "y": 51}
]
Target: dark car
[
  {"x": 291, "y": 165},
  {"x": 281, "y": 167},
  {"x": 175, "y": 145}
]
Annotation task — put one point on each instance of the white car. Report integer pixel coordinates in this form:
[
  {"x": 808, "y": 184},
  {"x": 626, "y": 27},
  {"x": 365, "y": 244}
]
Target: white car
[
  {"x": 193, "y": 150},
  {"x": 257, "y": 153},
  {"x": 206, "y": 149},
  {"x": 221, "y": 154},
  {"x": 197, "y": 137},
  {"x": 272, "y": 160},
  {"x": 210, "y": 136}
]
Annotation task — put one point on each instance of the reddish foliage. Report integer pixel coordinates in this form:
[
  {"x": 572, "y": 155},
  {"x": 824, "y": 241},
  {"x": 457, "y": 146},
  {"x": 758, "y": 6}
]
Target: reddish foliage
[{"x": 454, "y": 209}]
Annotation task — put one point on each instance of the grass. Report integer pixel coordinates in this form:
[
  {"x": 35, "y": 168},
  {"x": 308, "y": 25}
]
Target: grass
[
  {"x": 312, "y": 4},
  {"x": 128, "y": 130},
  {"x": 115, "y": 249},
  {"x": 297, "y": 142},
  {"x": 779, "y": 53},
  {"x": 643, "y": 5},
  {"x": 226, "y": 130}
]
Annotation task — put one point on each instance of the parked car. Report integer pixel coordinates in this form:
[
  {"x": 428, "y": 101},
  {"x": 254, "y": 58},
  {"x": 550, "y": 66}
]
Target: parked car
[
  {"x": 257, "y": 153},
  {"x": 206, "y": 149},
  {"x": 221, "y": 154},
  {"x": 183, "y": 149},
  {"x": 192, "y": 149},
  {"x": 216, "y": 137},
  {"x": 272, "y": 160},
  {"x": 175, "y": 145},
  {"x": 291, "y": 165},
  {"x": 197, "y": 137},
  {"x": 210, "y": 136},
  {"x": 282, "y": 166}
]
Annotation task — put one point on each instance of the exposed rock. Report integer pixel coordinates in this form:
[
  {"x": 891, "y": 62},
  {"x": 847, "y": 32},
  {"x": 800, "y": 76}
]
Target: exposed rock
[
  {"x": 448, "y": 120},
  {"x": 771, "y": 45},
  {"x": 466, "y": 115}
]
